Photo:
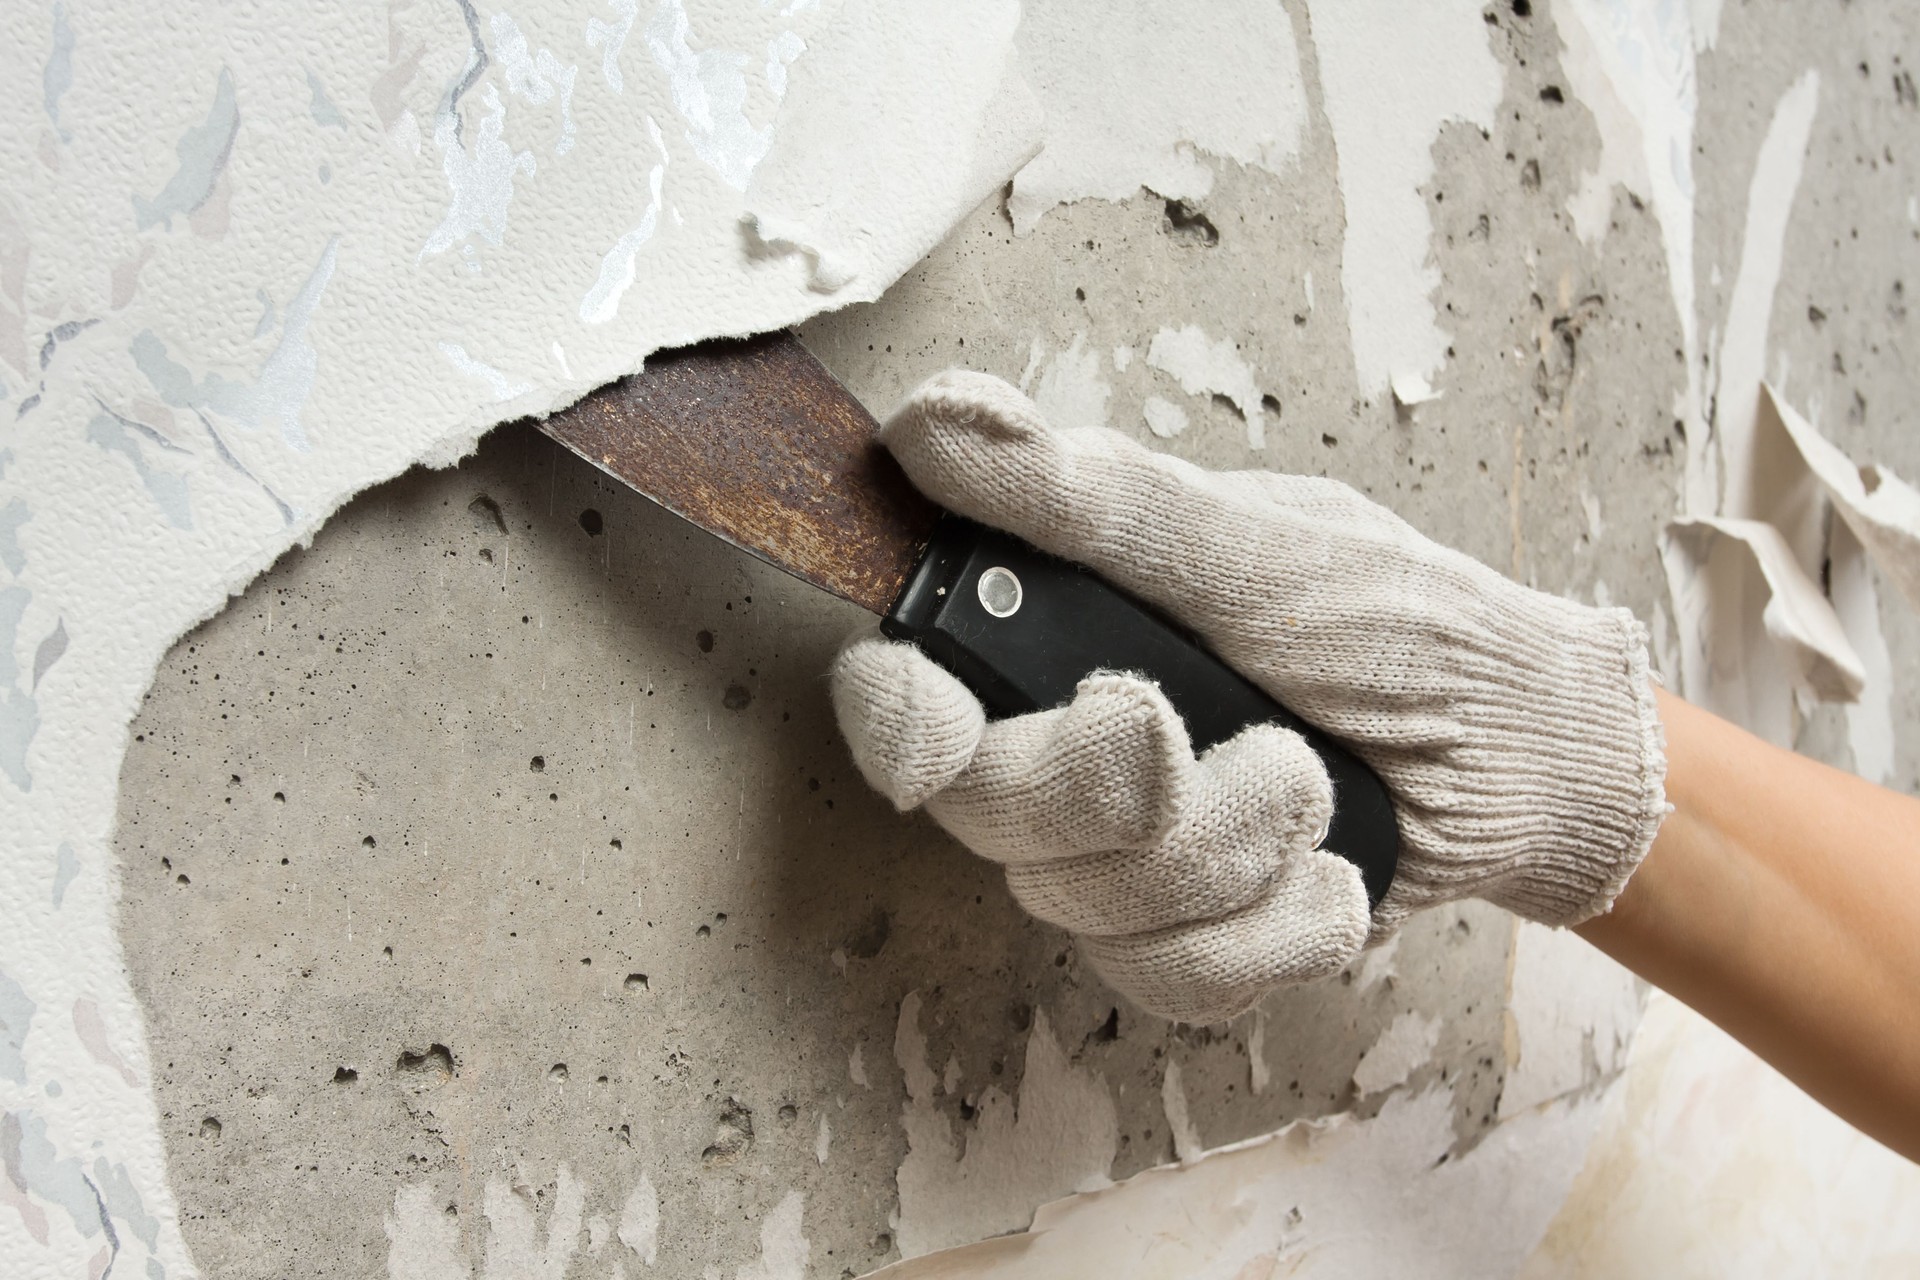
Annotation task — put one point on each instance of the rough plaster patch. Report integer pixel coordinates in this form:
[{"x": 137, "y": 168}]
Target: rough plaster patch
[
  {"x": 1133, "y": 99},
  {"x": 1059, "y": 1136},
  {"x": 1404, "y": 1047},
  {"x": 1437, "y": 60},
  {"x": 1207, "y": 366}
]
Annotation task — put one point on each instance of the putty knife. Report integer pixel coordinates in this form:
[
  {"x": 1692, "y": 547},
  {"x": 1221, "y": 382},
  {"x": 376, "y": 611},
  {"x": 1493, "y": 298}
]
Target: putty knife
[{"x": 753, "y": 440}]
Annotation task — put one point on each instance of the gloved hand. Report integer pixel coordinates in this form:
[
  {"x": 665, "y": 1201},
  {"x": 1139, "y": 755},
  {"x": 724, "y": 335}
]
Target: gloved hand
[{"x": 1516, "y": 731}]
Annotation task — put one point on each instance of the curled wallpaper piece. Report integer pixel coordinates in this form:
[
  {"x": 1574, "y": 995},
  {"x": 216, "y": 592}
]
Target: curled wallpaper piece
[
  {"x": 389, "y": 237},
  {"x": 1881, "y": 509},
  {"x": 1134, "y": 100},
  {"x": 1795, "y": 613},
  {"x": 1436, "y": 57}
]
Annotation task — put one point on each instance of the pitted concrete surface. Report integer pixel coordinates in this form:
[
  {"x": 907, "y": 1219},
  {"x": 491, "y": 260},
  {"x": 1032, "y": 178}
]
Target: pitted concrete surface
[{"x": 504, "y": 835}]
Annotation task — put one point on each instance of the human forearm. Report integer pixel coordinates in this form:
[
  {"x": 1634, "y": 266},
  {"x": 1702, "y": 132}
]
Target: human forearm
[{"x": 1781, "y": 899}]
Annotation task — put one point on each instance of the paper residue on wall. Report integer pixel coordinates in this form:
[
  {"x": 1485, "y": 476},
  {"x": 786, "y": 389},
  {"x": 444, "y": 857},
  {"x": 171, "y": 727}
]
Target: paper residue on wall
[
  {"x": 1206, "y": 366},
  {"x": 1437, "y": 60},
  {"x": 1134, "y": 96},
  {"x": 1073, "y": 392},
  {"x": 1173, "y": 1101},
  {"x": 1571, "y": 1012},
  {"x": 1801, "y": 1193},
  {"x": 1341, "y": 1199},
  {"x": 784, "y": 1247},
  {"x": 1060, "y": 1135},
  {"x": 1404, "y": 1047}
]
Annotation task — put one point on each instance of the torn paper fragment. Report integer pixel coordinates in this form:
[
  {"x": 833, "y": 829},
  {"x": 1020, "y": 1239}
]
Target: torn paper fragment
[
  {"x": 1376, "y": 966},
  {"x": 1436, "y": 58},
  {"x": 1059, "y": 1136},
  {"x": 1882, "y": 509},
  {"x": 1339, "y": 1199},
  {"x": 1402, "y": 1049},
  {"x": 1570, "y": 1010},
  {"x": 1164, "y": 418},
  {"x": 1796, "y": 615},
  {"x": 822, "y": 1141},
  {"x": 1204, "y": 366},
  {"x": 1173, "y": 1101},
  {"x": 820, "y": 195},
  {"x": 1259, "y": 1074},
  {"x": 1134, "y": 100}
]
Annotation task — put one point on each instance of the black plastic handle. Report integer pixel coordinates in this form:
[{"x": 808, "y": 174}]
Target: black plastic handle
[{"x": 1022, "y": 628}]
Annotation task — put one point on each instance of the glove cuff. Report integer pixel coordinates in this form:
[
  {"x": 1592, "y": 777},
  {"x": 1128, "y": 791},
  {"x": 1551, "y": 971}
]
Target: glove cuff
[
  {"x": 1547, "y": 797},
  {"x": 1601, "y": 780}
]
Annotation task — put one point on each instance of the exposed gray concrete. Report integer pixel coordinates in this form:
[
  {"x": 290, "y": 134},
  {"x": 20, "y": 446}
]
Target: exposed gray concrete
[{"x": 561, "y": 793}]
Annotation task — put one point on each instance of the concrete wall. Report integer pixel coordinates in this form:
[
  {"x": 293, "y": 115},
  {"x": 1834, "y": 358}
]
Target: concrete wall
[{"x": 495, "y": 861}]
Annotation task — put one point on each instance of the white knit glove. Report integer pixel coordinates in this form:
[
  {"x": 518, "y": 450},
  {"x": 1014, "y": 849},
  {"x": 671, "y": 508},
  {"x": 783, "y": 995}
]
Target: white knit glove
[{"x": 1516, "y": 731}]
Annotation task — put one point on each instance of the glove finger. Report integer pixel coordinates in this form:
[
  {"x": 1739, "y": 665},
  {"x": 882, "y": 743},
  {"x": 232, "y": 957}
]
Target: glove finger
[
  {"x": 1259, "y": 799},
  {"x": 1111, "y": 769},
  {"x": 912, "y": 727},
  {"x": 1156, "y": 525},
  {"x": 1310, "y": 922}
]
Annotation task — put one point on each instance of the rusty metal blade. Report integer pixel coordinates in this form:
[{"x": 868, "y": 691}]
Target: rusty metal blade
[{"x": 752, "y": 439}]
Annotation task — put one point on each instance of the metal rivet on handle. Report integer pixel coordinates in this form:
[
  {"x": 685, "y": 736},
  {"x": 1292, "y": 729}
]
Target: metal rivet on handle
[{"x": 999, "y": 592}]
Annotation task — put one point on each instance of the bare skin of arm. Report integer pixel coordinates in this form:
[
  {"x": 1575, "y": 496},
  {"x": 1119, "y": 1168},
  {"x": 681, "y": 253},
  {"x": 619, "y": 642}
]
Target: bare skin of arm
[{"x": 1781, "y": 900}]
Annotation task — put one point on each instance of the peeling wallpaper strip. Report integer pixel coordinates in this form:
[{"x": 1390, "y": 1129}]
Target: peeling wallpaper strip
[{"x": 248, "y": 270}]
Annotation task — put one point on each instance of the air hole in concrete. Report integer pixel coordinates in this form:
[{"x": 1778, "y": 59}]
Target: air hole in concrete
[
  {"x": 635, "y": 982},
  {"x": 1329, "y": 440},
  {"x": 558, "y": 1071},
  {"x": 281, "y": 796},
  {"x": 182, "y": 879},
  {"x": 789, "y": 1113},
  {"x": 486, "y": 511},
  {"x": 434, "y": 1065},
  {"x": 614, "y": 843},
  {"x": 1108, "y": 1031},
  {"x": 210, "y": 1128},
  {"x": 590, "y": 521},
  {"x": 736, "y": 697},
  {"x": 1187, "y": 223},
  {"x": 702, "y": 932},
  {"x": 704, "y": 639},
  {"x": 367, "y": 842},
  {"x": 870, "y": 938},
  {"x": 1552, "y": 94},
  {"x": 1271, "y": 403},
  {"x": 345, "y": 1075},
  {"x": 538, "y": 764},
  {"x": 732, "y": 1135}
]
